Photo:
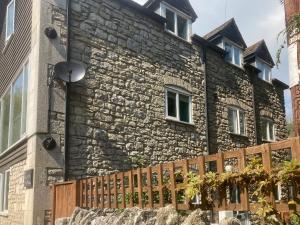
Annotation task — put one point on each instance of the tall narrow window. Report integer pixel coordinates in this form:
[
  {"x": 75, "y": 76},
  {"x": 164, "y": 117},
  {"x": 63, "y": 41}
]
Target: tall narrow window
[
  {"x": 267, "y": 130},
  {"x": 4, "y": 190},
  {"x": 14, "y": 111},
  {"x": 10, "y": 19},
  {"x": 182, "y": 27},
  {"x": 5, "y": 118},
  {"x": 170, "y": 16},
  {"x": 178, "y": 105},
  {"x": 236, "y": 119}
]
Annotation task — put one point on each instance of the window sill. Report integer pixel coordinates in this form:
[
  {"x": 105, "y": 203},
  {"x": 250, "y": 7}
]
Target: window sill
[
  {"x": 14, "y": 146},
  {"x": 267, "y": 82},
  {"x": 239, "y": 135},
  {"x": 236, "y": 66},
  {"x": 268, "y": 141},
  {"x": 178, "y": 121},
  {"x": 4, "y": 214},
  {"x": 177, "y": 37},
  {"x": 7, "y": 43}
]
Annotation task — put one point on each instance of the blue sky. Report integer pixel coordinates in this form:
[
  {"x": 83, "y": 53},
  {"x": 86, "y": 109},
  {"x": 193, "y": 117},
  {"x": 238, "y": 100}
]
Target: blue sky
[{"x": 256, "y": 20}]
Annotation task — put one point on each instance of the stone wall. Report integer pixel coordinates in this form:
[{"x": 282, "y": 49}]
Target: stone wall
[
  {"x": 16, "y": 196},
  {"x": 118, "y": 110},
  {"x": 269, "y": 102},
  {"x": 228, "y": 85}
]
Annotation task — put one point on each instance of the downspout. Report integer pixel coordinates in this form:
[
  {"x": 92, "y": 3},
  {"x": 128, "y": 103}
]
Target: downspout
[
  {"x": 66, "y": 142},
  {"x": 206, "y": 97},
  {"x": 254, "y": 111}
]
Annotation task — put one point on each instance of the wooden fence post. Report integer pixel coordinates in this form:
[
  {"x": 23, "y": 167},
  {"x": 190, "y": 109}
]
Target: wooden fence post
[
  {"x": 140, "y": 187},
  {"x": 267, "y": 163},
  {"x": 149, "y": 183},
  {"x": 245, "y": 195},
  {"x": 296, "y": 148},
  {"x": 220, "y": 170},
  {"x": 173, "y": 185}
]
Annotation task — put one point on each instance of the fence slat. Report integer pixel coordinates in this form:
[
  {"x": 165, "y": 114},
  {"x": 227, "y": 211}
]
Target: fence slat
[
  {"x": 115, "y": 191},
  {"x": 131, "y": 189},
  {"x": 160, "y": 185},
  {"x": 244, "y": 195},
  {"x": 102, "y": 192},
  {"x": 173, "y": 185},
  {"x": 149, "y": 186},
  {"x": 140, "y": 187}
]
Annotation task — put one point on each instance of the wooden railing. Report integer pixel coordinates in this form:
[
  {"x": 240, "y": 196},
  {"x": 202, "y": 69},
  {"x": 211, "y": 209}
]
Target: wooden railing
[{"x": 165, "y": 184}]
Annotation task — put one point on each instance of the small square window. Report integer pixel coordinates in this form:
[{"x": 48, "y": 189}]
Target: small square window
[
  {"x": 236, "y": 119},
  {"x": 10, "y": 19},
  {"x": 178, "y": 106}
]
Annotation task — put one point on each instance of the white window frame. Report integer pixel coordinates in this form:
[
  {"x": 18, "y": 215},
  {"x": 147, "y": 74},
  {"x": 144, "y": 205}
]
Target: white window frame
[
  {"x": 265, "y": 65},
  {"x": 7, "y": 37},
  {"x": 269, "y": 121},
  {"x": 24, "y": 95},
  {"x": 178, "y": 91},
  {"x": 4, "y": 181},
  {"x": 238, "y": 128},
  {"x": 162, "y": 11},
  {"x": 233, "y": 47}
]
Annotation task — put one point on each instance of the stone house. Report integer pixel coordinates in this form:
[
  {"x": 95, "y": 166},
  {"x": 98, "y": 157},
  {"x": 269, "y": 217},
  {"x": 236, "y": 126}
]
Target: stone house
[{"x": 153, "y": 92}]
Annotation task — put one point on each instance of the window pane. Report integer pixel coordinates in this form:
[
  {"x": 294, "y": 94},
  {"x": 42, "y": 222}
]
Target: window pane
[
  {"x": 172, "y": 104},
  {"x": 1, "y": 191},
  {"x": 264, "y": 129},
  {"x": 271, "y": 131},
  {"x": 261, "y": 68},
  {"x": 5, "y": 121},
  {"x": 228, "y": 49},
  {"x": 170, "y": 20},
  {"x": 242, "y": 123},
  {"x": 24, "y": 105},
  {"x": 232, "y": 117},
  {"x": 184, "y": 108},
  {"x": 17, "y": 93},
  {"x": 5, "y": 205},
  {"x": 182, "y": 27},
  {"x": 237, "y": 56},
  {"x": 10, "y": 19}
]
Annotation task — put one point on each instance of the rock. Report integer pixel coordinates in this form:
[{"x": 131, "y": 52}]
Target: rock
[
  {"x": 197, "y": 217},
  {"x": 62, "y": 221},
  {"x": 167, "y": 216},
  {"x": 230, "y": 221}
]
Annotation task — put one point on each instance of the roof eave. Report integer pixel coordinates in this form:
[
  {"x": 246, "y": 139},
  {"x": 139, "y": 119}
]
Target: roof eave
[{"x": 280, "y": 84}]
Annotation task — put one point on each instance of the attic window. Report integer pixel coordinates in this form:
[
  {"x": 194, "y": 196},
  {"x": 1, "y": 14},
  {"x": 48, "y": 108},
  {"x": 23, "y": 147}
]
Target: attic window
[
  {"x": 265, "y": 69},
  {"x": 233, "y": 54},
  {"x": 177, "y": 22}
]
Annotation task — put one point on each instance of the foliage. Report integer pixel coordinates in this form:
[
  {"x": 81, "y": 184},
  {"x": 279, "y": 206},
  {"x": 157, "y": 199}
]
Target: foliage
[
  {"x": 254, "y": 174},
  {"x": 295, "y": 219}
]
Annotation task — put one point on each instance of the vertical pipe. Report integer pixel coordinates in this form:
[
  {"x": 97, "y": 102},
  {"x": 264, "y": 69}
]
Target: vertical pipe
[{"x": 66, "y": 158}]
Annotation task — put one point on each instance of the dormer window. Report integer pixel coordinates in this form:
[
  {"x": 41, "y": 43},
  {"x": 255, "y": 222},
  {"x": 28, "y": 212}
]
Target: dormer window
[
  {"x": 233, "y": 53},
  {"x": 178, "y": 23},
  {"x": 265, "y": 69}
]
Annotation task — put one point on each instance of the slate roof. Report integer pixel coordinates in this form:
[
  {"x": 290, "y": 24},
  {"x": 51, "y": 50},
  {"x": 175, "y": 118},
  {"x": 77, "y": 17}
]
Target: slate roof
[
  {"x": 229, "y": 30},
  {"x": 260, "y": 50},
  {"x": 182, "y": 5}
]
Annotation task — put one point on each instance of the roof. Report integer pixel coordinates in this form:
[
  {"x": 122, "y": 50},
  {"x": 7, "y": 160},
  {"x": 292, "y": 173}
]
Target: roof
[
  {"x": 182, "y": 5},
  {"x": 260, "y": 50},
  {"x": 229, "y": 30},
  {"x": 280, "y": 84}
]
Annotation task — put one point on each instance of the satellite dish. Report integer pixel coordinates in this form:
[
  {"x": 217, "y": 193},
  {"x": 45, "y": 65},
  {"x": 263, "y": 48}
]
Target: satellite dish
[{"x": 69, "y": 71}]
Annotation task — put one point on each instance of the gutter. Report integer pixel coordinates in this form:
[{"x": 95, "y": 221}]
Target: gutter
[
  {"x": 66, "y": 142},
  {"x": 204, "y": 48}
]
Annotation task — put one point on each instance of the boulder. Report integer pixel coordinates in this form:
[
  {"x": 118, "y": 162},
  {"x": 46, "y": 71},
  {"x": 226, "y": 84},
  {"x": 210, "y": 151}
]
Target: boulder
[
  {"x": 197, "y": 217},
  {"x": 230, "y": 221}
]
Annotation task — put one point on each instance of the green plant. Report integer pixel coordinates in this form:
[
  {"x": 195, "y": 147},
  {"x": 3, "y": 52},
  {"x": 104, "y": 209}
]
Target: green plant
[{"x": 295, "y": 219}]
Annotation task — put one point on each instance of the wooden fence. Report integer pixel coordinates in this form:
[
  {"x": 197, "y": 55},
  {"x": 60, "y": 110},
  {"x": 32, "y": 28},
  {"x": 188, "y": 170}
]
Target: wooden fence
[{"x": 164, "y": 184}]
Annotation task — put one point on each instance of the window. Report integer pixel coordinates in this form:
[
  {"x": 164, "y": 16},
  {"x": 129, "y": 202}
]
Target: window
[
  {"x": 4, "y": 190},
  {"x": 178, "y": 105},
  {"x": 177, "y": 22},
  {"x": 267, "y": 130},
  {"x": 233, "y": 54},
  {"x": 265, "y": 69},
  {"x": 10, "y": 19},
  {"x": 13, "y": 111},
  {"x": 236, "y": 118}
]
